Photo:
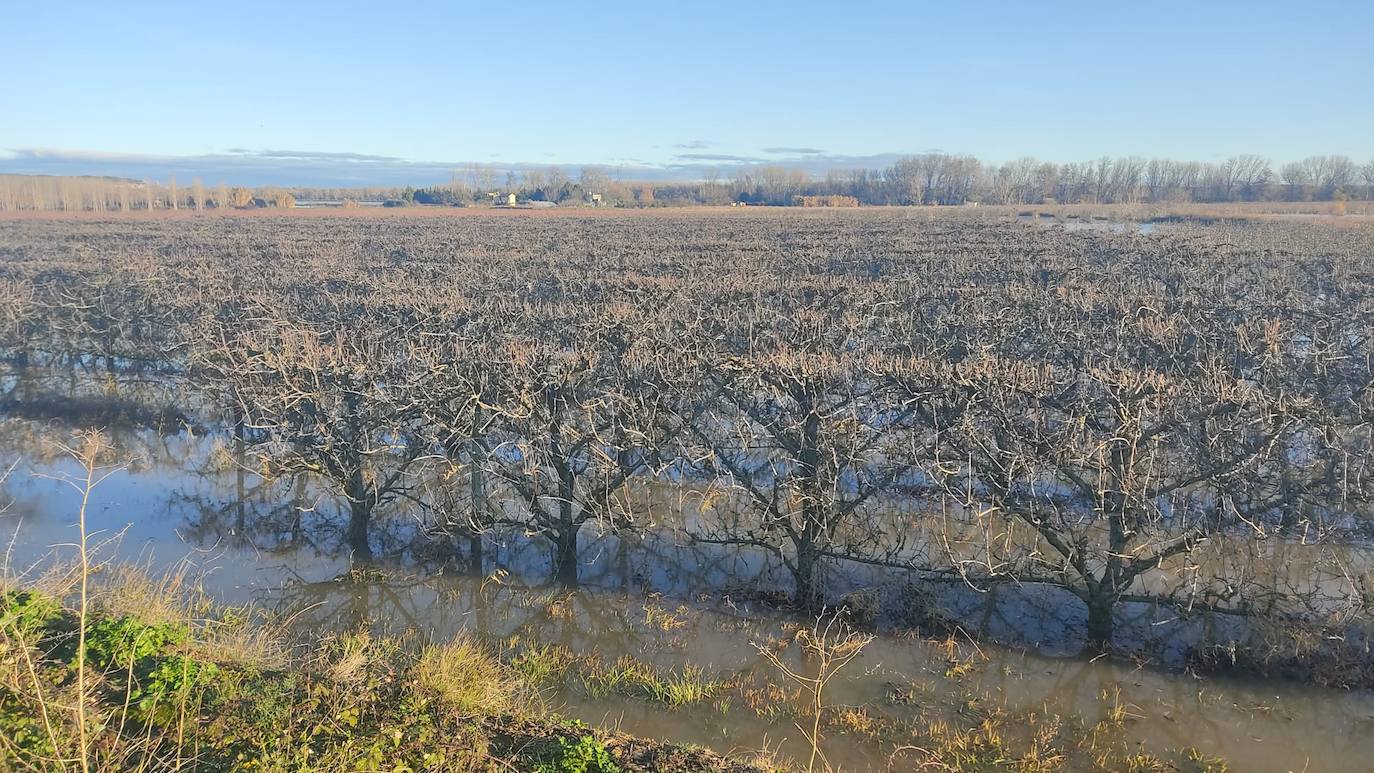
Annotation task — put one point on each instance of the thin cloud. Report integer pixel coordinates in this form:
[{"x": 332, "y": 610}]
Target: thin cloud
[
  {"x": 696, "y": 145},
  {"x": 718, "y": 157},
  {"x": 794, "y": 151},
  {"x": 333, "y": 169},
  {"x": 40, "y": 154},
  {"x": 323, "y": 155}
]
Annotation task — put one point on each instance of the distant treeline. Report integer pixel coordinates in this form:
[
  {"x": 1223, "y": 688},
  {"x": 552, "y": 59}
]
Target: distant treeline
[
  {"x": 939, "y": 178},
  {"x": 113, "y": 194},
  {"x": 925, "y": 179},
  {"x": 929, "y": 178}
]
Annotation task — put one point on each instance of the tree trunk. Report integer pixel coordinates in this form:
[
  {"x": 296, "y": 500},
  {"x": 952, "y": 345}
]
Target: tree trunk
[
  {"x": 360, "y": 514},
  {"x": 240, "y": 482},
  {"x": 565, "y": 556},
  {"x": 565, "y": 536},
  {"x": 24, "y": 385},
  {"x": 808, "y": 596},
  {"x": 476, "y": 565},
  {"x": 1100, "y": 622},
  {"x": 299, "y": 504},
  {"x": 477, "y": 492},
  {"x": 808, "y": 592}
]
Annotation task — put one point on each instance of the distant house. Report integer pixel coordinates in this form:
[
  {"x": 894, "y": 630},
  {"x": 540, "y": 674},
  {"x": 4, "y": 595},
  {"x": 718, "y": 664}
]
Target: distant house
[
  {"x": 596, "y": 198},
  {"x": 510, "y": 199}
]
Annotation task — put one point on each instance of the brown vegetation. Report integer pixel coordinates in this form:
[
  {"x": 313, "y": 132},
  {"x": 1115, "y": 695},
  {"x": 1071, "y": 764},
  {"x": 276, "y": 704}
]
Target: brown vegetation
[{"x": 1114, "y": 418}]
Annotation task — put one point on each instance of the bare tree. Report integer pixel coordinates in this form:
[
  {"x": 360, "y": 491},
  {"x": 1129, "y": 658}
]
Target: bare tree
[
  {"x": 1329, "y": 173},
  {"x": 1244, "y": 176},
  {"x": 1297, "y": 177}
]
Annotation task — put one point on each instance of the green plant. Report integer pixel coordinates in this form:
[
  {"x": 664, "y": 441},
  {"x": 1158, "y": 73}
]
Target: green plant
[
  {"x": 171, "y": 682},
  {"x": 20, "y": 723},
  {"x": 124, "y": 642},
  {"x": 544, "y": 663},
  {"x": 585, "y": 755},
  {"x": 27, "y": 611}
]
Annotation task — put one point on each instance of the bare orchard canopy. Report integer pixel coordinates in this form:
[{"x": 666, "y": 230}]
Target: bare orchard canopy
[{"x": 951, "y": 400}]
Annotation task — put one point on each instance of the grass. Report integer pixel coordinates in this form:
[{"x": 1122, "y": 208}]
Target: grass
[
  {"x": 469, "y": 680},
  {"x": 971, "y": 732},
  {"x": 630, "y": 677},
  {"x": 185, "y": 690},
  {"x": 542, "y": 664},
  {"x": 660, "y": 618},
  {"x": 156, "y": 698},
  {"x": 550, "y": 666}
]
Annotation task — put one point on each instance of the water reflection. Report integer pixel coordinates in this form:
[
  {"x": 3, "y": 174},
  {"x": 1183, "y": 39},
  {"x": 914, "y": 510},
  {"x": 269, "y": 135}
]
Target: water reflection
[
  {"x": 203, "y": 480},
  {"x": 281, "y": 544}
]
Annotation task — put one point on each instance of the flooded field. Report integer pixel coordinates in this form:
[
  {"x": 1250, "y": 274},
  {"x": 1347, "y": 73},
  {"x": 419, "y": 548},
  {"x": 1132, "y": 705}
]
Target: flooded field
[
  {"x": 1099, "y": 494},
  {"x": 184, "y": 501},
  {"x": 1077, "y": 223}
]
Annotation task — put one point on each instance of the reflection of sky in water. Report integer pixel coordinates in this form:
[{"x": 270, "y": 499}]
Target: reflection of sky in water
[
  {"x": 185, "y": 499},
  {"x": 146, "y": 514},
  {"x": 281, "y": 546}
]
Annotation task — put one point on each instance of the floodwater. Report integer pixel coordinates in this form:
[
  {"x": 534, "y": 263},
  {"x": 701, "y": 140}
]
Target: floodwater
[
  {"x": 1089, "y": 224},
  {"x": 181, "y": 501}
]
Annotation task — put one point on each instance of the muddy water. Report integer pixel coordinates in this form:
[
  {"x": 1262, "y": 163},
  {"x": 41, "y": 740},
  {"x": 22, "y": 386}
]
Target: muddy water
[{"x": 180, "y": 502}]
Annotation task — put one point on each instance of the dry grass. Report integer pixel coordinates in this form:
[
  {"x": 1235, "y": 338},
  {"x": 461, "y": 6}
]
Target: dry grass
[
  {"x": 1308, "y": 210},
  {"x": 470, "y": 680}
]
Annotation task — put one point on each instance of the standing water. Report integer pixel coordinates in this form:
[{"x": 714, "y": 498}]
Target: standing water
[{"x": 184, "y": 502}]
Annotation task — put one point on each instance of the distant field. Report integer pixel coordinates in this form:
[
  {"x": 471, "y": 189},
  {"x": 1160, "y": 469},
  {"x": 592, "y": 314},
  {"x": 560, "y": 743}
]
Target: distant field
[{"x": 1355, "y": 211}]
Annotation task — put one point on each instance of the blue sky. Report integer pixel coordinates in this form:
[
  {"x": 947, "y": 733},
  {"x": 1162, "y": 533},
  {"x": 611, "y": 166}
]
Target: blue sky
[{"x": 93, "y": 86}]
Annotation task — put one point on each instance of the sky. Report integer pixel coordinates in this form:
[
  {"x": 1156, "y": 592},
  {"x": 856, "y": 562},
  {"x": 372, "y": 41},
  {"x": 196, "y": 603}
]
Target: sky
[{"x": 348, "y": 93}]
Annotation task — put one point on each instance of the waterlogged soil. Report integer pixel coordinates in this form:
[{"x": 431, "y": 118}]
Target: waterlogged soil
[
  {"x": 1076, "y": 224},
  {"x": 179, "y": 502}
]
